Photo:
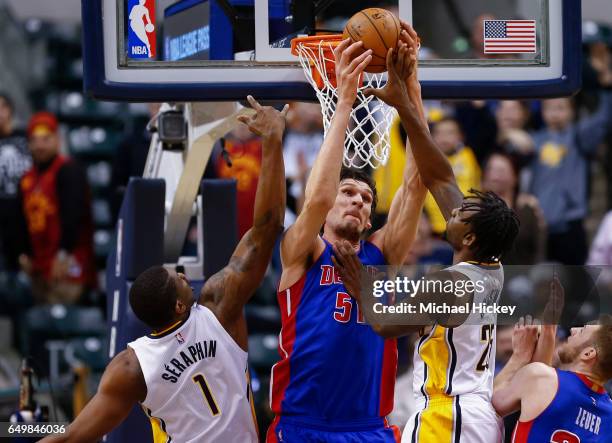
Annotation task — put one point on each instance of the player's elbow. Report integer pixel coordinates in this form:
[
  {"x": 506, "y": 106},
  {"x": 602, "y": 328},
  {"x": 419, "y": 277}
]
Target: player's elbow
[{"x": 498, "y": 403}]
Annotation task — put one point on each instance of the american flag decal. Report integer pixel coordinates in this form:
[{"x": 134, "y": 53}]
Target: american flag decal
[{"x": 509, "y": 36}]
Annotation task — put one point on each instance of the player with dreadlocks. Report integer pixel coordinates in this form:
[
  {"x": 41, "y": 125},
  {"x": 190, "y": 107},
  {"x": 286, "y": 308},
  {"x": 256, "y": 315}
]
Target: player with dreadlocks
[{"x": 453, "y": 374}]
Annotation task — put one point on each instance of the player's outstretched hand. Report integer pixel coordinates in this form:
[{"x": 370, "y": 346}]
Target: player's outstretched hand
[
  {"x": 348, "y": 264},
  {"x": 267, "y": 121},
  {"x": 349, "y": 68},
  {"x": 525, "y": 338},
  {"x": 410, "y": 37},
  {"x": 401, "y": 65}
]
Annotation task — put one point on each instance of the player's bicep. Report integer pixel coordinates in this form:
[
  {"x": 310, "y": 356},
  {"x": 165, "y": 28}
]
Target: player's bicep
[
  {"x": 121, "y": 387},
  {"x": 227, "y": 291}
]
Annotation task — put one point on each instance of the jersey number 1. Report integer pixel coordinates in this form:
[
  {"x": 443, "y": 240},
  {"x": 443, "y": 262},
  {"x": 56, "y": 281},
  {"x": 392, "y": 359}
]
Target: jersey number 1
[{"x": 200, "y": 380}]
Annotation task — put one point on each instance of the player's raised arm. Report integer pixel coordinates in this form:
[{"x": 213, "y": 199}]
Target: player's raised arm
[
  {"x": 121, "y": 387},
  {"x": 435, "y": 170},
  {"x": 322, "y": 185},
  {"x": 226, "y": 292},
  {"x": 396, "y": 237}
]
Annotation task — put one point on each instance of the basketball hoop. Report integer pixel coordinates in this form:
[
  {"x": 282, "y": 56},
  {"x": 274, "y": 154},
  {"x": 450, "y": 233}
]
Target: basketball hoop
[{"x": 367, "y": 136}]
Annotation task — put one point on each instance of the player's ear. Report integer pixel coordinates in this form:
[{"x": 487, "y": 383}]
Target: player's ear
[
  {"x": 589, "y": 353},
  {"x": 180, "y": 307},
  {"x": 469, "y": 239}
]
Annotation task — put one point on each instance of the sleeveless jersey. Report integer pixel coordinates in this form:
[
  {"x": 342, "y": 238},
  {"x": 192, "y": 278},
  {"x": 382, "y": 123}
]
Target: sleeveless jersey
[
  {"x": 335, "y": 371},
  {"x": 461, "y": 360},
  {"x": 577, "y": 414},
  {"x": 197, "y": 382}
]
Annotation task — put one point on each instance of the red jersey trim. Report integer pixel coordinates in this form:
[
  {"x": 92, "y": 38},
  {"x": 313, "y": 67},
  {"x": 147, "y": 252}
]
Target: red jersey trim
[
  {"x": 289, "y": 301},
  {"x": 521, "y": 431},
  {"x": 387, "y": 377},
  {"x": 591, "y": 384}
]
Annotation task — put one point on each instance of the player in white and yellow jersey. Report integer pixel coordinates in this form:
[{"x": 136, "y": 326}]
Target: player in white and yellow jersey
[
  {"x": 190, "y": 374},
  {"x": 453, "y": 377}
]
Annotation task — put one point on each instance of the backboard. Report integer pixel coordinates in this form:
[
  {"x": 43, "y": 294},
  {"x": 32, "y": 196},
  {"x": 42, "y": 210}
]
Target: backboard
[{"x": 212, "y": 50}]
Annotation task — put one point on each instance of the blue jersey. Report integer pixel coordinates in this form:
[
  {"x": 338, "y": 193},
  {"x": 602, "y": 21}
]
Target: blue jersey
[
  {"x": 577, "y": 414},
  {"x": 334, "y": 370}
]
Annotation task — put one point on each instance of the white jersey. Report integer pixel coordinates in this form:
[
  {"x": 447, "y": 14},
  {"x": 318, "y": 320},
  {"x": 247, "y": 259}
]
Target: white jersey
[
  {"x": 197, "y": 383},
  {"x": 461, "y": 360}
]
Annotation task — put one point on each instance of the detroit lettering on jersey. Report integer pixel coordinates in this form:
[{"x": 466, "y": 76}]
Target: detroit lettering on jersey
[
  {"x": 330, "y": 276},
  {"x": 193, "y": 354}
]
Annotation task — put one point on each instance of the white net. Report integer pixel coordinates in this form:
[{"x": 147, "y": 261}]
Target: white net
[{"x": 367, "y": 136}]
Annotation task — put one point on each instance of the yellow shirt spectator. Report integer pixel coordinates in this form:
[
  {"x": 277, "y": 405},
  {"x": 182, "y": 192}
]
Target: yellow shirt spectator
[{"x": 448, "y": 136}]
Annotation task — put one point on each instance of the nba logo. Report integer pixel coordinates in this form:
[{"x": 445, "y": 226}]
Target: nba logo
[
  {"x": 180, "y": 338},
  {"x": 142, "y": 40}
]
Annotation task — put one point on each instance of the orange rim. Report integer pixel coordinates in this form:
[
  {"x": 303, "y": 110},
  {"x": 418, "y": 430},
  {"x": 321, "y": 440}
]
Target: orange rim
[{"x": 313, "y": 41}]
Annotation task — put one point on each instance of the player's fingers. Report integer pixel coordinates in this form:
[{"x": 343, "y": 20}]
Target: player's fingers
[
  {"x": 358, "y": 60},
  {"x": 341, "y": 47},
  {"x": 285, "y": 110},
  {"x": 349, "y": 52},
  {"x": 389, "y": 59},
  {"x": 338, "y": 265},
  {"x": 361, "y": 66},
  {"x": 254, "y": 103},
  {"x": 401, "y": 58},
  {"x": 371, "y": 92},
  {"x": 244, "y": 119},
  {"x": 521, "y": 322}
]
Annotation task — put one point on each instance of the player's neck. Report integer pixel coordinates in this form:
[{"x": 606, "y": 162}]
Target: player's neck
[
  {"x": 463, "y": 256},
  {"x": 332, "y": 237},
  {"x": 581, "y": 369}
]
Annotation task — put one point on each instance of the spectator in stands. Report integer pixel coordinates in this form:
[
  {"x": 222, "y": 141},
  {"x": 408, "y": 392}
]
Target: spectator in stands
[
  {"x": 448, "y": 136},
  {"x": 428, "y": 249},
  {"x": 501, "y": 176},
  {"x": 238, "y": 156},
  {"x": 301, "y": 145},
  {"x": 56, "y": 227},
  {"x": 512, "y": 117},
  {"x": 560, "y": 173},
  {"x": 477, "y": 120},
  {"x": 15, "y": 160}
]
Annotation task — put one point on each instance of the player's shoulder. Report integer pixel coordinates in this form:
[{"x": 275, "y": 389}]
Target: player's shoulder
[
  {"x": 126, "y": 363},
  {"x": 538, "y": 371}
]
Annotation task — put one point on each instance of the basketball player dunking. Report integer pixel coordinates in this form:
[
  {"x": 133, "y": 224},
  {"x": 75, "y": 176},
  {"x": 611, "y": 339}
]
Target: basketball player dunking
[
  {"x": 453, "y": 375},
  {"x": 190, "y": 374},
  {"x": 335, "y": 379},
  {"x": 567, "y": 405}
]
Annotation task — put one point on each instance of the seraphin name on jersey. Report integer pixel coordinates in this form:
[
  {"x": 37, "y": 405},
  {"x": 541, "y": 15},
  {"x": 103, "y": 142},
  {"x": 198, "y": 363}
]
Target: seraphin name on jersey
[{"x": 181, "y": 361}]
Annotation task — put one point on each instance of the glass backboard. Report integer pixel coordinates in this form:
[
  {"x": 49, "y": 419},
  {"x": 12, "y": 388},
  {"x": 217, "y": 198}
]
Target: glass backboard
[{"x": 199, "y": 50}]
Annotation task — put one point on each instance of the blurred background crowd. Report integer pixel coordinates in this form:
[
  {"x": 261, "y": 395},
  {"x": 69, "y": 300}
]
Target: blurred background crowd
[{"x": 65, "y": 160}]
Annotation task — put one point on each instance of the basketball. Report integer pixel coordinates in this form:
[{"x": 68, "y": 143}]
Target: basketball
[
  {"x": 379, "y": 30},
  {"x": 150, "y": 27}
]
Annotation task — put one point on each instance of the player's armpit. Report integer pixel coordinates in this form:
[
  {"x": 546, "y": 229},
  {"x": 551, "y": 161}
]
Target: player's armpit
[
  {"x": 522, "y": 390},
  {"x": 121, "y": 387}
]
